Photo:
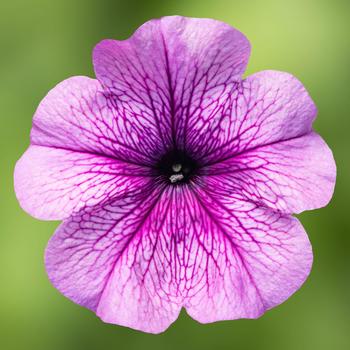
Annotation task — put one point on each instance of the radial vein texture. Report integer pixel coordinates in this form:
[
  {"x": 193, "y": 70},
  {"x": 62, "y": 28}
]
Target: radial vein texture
[{"x": 136, "y": 249}]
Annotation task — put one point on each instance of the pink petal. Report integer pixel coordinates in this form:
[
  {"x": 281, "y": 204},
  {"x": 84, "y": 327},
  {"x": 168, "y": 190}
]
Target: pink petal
[
  {"x": 265, "y": 108},
  {"x": 78, "y": 115},
  {"x": 137, "y": 266},
  {"x": 254, "y": 259},
  {"x": 290, "y": 176},
  {"x": 172, "y": 69},
  {"x": 53, "y": 183},
  {"x": 104, "y": 260}
]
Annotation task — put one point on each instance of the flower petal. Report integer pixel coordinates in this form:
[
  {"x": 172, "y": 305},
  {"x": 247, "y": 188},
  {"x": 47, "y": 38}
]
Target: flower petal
[
  {"x": 79, "y": 115},
  {"x": 246, "y": 259},
  {"x": 104, "y": 260},
  {"x": 265, "y": 108},
  {"x": 290, "y": 176},
  {"x": 173, "y": 68},
  {"x": 53, "y": 183},
  {"x": 138, "y": 265}
]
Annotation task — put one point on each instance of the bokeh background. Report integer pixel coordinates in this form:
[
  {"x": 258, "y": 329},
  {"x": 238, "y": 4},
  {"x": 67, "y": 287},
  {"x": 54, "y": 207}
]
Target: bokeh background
[{"x": 44, "y": 42}]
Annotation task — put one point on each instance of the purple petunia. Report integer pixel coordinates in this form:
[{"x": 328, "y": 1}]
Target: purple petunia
[{"x": 176, "y": 178}]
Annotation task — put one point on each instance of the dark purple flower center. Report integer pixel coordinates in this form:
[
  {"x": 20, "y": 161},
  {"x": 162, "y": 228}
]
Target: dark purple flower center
[{"x": 177, "y": 167}]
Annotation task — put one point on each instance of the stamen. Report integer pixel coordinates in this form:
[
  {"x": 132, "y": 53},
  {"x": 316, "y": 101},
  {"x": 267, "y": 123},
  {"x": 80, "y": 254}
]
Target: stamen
[{"x": 175, "y": 178}]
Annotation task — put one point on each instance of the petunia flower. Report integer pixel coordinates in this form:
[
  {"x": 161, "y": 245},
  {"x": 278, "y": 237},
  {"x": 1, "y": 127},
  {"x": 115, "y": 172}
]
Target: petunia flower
[{"x": 176, "y": 179}]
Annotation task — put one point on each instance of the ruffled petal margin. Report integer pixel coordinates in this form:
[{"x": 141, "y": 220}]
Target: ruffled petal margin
[
  {"x": 290, "y": 176},
  {"x": 78, "y": 115},
  {"x": 265, "y": 108},
  {"x": 138, "y": 266},
  {"x": 176, "y": 69},
  {"x": 53, "y": 183}
]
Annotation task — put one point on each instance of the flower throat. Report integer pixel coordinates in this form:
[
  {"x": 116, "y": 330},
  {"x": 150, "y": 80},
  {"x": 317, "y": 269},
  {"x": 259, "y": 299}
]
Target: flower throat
[{"x": 177, "y": 167}]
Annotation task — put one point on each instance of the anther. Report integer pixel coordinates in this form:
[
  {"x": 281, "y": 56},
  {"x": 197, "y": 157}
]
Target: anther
[{"x": 175, "y": 178}]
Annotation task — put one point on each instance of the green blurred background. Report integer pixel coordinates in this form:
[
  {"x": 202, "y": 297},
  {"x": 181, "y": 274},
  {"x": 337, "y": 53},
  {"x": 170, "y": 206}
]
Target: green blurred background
[{"x": 44, "y": 42}]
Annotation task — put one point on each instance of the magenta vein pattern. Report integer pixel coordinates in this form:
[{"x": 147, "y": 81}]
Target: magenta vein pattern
[{"x": 176, "y": 179}]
